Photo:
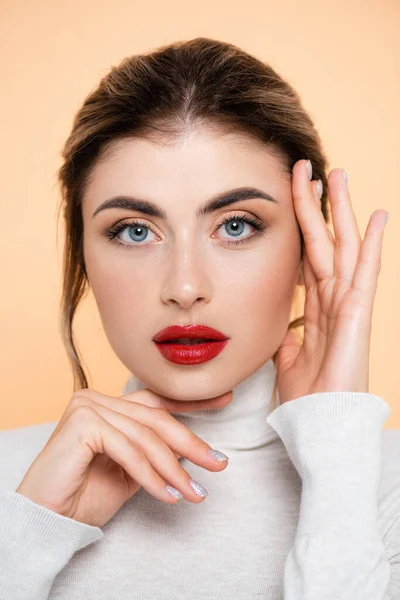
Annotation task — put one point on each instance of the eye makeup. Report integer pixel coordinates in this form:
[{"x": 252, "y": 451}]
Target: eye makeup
[{"x": 258, "y": 225}]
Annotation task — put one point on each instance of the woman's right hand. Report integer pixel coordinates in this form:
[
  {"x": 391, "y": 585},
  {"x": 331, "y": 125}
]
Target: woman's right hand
[{"x": 104, "y": 449}]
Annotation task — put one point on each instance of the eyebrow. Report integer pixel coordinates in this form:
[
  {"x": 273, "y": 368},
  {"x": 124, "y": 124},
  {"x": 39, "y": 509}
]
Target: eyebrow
[{"x": 219, "y": 201}]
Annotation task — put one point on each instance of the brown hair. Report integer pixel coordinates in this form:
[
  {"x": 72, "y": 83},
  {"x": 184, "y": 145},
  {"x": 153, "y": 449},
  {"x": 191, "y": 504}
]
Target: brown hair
[{"x": 162, "y": 93}]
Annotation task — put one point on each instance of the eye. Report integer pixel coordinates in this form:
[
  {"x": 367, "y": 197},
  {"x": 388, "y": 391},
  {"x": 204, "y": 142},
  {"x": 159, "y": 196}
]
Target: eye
[
  {"x": 137, "y": 232},
  {"x": 235, "y": 224}
]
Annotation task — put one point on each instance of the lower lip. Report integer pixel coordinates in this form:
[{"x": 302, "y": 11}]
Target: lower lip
[{"x": 183, "y": 354}]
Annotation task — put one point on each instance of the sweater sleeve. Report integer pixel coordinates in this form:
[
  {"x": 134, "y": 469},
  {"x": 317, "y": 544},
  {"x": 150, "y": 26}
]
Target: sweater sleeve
[
  {"x": 35, "y": 545},
  {"x": 334, "y": 441}
]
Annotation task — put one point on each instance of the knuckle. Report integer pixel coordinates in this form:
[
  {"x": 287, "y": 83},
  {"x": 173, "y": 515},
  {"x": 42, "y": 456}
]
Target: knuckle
[
  {"x": 77, "y": 399},
  {"x": 84, "y": 421},
  {"x": 75, "y": 402},
  {"x": 159, "y": 415},
  {"x": 135, "y": 456},
  {"x": 83, "y": 414},
  {"x": 80, "y": 393},
  {"x": 148, "y": 433}
]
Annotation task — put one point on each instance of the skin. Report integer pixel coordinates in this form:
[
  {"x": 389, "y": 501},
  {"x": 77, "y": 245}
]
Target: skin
[
  {"x": 185, "y": 271},
  {"x": 187, "y": 274},
  {"x": 341, "y": 273}
]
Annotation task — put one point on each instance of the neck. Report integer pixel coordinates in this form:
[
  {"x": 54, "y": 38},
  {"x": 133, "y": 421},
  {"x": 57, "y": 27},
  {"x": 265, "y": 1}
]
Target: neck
[{"x": 240, "y": 425}]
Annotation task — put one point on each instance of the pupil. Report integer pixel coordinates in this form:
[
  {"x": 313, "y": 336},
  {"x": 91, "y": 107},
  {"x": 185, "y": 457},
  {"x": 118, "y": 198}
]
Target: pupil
[
  {"x": 138, "y": 228},
  {"x": 235, "y": 225}
]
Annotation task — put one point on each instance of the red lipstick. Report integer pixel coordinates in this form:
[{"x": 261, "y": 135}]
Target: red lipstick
[{"x": 175, "y": 345}]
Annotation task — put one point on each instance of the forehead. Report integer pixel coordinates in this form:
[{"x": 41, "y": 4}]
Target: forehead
[{"x": 197, "y": 165}]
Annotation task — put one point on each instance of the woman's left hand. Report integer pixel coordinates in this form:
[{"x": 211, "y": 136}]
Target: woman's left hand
[{"x": 340, "y": 276}]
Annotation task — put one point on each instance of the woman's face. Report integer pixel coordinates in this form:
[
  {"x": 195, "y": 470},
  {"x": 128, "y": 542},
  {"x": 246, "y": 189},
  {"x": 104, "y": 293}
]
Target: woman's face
[{"x": 187, "y": 269}]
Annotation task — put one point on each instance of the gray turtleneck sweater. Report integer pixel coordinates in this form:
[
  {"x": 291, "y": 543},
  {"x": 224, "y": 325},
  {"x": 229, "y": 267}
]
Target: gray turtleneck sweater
[{"x": 307, "y": 509}]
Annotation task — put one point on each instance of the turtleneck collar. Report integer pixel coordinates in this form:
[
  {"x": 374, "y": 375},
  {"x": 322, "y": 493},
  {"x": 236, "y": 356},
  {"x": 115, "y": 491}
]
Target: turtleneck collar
[{"x": 241, "y": 425}]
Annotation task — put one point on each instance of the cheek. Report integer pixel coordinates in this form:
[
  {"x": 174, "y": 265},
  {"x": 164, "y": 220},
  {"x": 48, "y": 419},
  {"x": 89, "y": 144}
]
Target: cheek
[
  {"x": 259, "y": 295},
  {"x": 125, "y": 300},
  {"x": 122, "y": 287}
]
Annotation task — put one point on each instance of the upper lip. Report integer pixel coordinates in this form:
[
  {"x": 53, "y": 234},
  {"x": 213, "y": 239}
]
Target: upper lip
[{"x": 188, "y": 331}]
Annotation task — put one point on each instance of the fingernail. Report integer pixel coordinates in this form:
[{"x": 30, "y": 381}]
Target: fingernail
[
  {"x": 198, "y": 488},
  {"x": 345, "y": 176},
  {"x": 309, "y": 169},
  {"x": 386, "y": 218},
  {"x": 319, "y": 188},
  {"x": 174, "y": 492},
  {"x": 217, "y": 455}
]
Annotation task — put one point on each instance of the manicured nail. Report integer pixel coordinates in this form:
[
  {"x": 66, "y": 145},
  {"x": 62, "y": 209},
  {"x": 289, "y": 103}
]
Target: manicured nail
[
  {"x": 319, "y": 189},
  {"x": 198, "y": 488},
  {"x": 174, "y": 492},
  {"x": 386, "y": 218},
  {"x": 217, "y": 455},
  {"x": 345, "y": 176},
  {"x": 309, "y": 169}
]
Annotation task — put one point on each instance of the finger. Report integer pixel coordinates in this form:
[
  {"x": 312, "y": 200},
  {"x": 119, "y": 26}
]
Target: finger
[
  {"x": 320, "y": 249},
  {"x": 309, "y": 277},
  {"x": 181, "y": 439},
  {"x": 315, "y": 189},
  {"x": 347, "y": 235},
  {"x": 112, "y": 442},
  {"x": 146, "y": 396},
  {"x": 368, "y": 267},
  {"x": 308, "y": 274},
  {"x": 159, "y": 456}
]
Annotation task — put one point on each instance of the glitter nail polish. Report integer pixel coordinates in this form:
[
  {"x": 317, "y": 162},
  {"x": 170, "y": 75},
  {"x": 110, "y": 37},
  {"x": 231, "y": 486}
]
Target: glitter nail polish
[
  {"x": 198, "y": 488},
  {"x": 217, "y": 455},
  {"x": 174, "y": 492},
  {"x": 309, "y": 169}
]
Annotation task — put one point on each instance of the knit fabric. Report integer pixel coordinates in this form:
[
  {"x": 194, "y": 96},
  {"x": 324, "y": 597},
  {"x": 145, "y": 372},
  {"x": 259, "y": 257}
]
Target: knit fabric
[{"x": 307, "y": 509}]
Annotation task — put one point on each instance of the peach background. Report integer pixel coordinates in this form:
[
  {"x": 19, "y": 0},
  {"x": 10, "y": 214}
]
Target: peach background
[{"x": 343, "y": 58}]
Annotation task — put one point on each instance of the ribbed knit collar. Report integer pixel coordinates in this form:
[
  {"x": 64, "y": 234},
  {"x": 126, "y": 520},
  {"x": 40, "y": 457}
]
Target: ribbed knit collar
[{"x": 242, "y": 424}]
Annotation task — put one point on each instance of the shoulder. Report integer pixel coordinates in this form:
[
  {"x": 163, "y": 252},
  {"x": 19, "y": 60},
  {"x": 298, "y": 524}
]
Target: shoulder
[
  {"x": 390, "y": 469},
  {"x": 389, "y": 489},
  {"x": 18, "y": 449}
]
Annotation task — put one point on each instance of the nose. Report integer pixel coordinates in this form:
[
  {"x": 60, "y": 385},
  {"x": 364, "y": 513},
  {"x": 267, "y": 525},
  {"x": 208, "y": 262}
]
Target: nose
[{"x": 187, "y": 278}]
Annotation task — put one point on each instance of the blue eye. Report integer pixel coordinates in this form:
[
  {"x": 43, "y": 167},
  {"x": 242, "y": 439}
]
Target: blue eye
[
  {"x": 137, "y": 230},
  {"x": 238, "y": 222}
]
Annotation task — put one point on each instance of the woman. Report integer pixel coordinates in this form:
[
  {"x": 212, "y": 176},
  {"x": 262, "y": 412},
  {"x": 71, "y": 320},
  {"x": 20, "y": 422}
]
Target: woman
[{"x": 195, "y": 200}]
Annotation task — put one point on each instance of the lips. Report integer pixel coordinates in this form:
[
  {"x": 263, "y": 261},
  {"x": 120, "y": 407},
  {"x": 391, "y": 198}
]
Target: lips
[
  {"x": 194, "y": 332},
  {"x": 178, "y": 344}
]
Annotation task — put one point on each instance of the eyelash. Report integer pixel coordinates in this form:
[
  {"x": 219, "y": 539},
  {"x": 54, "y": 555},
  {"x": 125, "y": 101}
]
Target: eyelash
[{"x": 258, "y": 225}]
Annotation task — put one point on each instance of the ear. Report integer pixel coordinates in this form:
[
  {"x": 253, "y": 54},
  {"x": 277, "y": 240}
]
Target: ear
[{"x": 300, "y": 280}]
